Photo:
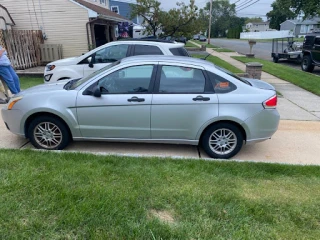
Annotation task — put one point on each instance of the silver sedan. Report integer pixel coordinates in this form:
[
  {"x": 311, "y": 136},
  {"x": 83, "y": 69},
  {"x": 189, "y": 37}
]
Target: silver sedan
[{"x": 155, "y": 99}]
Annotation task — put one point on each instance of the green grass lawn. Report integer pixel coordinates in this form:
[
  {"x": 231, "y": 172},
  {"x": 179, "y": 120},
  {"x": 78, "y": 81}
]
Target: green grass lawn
[
  {"x": 189, "y": 44},
  {"x": 47, "y": 195},
  {"x": 27, "y": 82},
  {"x": 207, "y": 45},
  {"x": 219, "y": 62},
  {"x": 223, "y": 50},
  {"x": 307, "y": 81}
]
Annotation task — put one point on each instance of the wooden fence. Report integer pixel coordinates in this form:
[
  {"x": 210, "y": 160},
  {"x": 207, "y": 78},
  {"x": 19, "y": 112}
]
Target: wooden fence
[
  {"x": 23, "y": 47},
  {"x": 50, "y": 52}
]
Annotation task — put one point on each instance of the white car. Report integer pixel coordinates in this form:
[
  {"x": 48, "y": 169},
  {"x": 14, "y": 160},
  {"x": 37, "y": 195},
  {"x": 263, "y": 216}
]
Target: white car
[{"x": 82, "y": 66}]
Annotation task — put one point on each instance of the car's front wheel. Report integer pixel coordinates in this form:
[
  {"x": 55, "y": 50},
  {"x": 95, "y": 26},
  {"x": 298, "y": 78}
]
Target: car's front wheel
[
  {"x": 48, "y": 133},
  {"x": 222, "y": 140},
  {"x": 306, "y": 64}
]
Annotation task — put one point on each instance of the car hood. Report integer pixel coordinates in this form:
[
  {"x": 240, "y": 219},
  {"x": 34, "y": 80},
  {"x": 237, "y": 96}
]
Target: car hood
[
  {"x": 260, "y": 84},
  {"x": 43, "y": 88},
  {"x": 65, "y": 61}
]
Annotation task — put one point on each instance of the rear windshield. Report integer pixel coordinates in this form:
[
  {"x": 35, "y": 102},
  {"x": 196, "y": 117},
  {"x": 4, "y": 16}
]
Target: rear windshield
[{"x": 179, "y": 52}]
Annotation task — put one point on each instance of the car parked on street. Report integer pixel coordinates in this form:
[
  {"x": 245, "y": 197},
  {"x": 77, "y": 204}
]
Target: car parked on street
[
  {"x": 196, "y": 37},
  {"x": 202, "y": 38},
  {"x": 311, "y": 52},
  {"x": 153, "y": 99},
  {"x": 82, "y": 66}
]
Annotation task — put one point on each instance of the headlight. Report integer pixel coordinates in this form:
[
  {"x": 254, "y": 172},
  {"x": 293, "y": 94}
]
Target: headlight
[
  {"x": 13, "y": 101},
  {"x": 50, "y": 67}
]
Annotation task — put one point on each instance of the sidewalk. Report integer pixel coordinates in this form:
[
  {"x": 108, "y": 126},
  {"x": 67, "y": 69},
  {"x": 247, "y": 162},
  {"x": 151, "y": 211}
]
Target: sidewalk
[{"x": 296, "y": 103}]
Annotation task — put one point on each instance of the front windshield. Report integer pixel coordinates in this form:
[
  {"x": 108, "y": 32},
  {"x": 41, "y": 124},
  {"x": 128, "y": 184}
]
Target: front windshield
[
  {"x": 83, "y": 80},
  {"x": 232, "y": 75}
]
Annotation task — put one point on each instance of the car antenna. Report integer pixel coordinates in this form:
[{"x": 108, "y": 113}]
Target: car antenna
[{"x": 205, "y": 58}]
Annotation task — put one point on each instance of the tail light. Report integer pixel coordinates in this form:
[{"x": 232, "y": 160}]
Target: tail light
[{"x": 271, "y": 102}]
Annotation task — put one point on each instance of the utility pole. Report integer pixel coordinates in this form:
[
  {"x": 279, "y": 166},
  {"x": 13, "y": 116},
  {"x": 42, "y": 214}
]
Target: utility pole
[{"x": 210, "y": 22}]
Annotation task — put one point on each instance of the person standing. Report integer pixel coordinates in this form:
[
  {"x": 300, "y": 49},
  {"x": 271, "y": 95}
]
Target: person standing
[{"x": 7, "y": 72}]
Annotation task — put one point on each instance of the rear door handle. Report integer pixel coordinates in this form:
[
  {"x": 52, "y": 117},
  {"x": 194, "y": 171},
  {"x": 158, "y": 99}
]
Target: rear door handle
[
  {"x": 136, "y": 99},
  {"x": 200, "y": 98}
]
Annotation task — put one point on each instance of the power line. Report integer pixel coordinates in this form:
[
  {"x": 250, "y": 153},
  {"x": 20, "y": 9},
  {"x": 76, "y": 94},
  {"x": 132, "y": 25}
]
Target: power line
[
  {"x": 244, "y": 3},
  {"x": 247, "y": 6}
]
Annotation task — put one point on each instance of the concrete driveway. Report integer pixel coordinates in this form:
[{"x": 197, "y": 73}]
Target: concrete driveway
[{"x": 296, "y": 142}]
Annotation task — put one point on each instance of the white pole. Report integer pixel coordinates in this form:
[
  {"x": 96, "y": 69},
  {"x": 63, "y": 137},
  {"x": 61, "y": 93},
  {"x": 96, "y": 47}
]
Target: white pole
[{"x": 210, "y": 22}]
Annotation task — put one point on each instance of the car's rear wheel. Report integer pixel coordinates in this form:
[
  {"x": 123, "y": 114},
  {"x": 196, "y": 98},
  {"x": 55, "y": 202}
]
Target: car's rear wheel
[
  {"x": 306, "y": 64},
  {"x": 48, "y": 133},
  {"x": 275, "y": 59},
  {"x": 222, "y": 140}
]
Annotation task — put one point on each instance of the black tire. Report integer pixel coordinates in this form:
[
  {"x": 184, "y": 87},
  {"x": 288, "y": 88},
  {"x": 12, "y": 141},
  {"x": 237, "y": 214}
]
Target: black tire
[
  {"x": 275, "y": 59},
  {"x": 235, "y": 140},
  {"x": 48, "y": 133},
  {"x": 306, "y": 64}
]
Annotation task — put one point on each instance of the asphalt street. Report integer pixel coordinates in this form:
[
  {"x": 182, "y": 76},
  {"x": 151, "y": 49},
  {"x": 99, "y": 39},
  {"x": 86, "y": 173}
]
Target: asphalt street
[{"x": 261, "y": 50}]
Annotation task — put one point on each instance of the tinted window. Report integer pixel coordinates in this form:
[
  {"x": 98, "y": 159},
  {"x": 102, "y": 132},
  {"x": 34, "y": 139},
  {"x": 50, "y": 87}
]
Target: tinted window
[
  {"x": 220, "y": 84},
  {"x": 111, "y": 54},
  {"x": 147, "y": 50},
  {"x": 176, "y": 79},
  {"x": 317, "y": 41},
  {"x": 135, "y": 79},
  {"x": 179, "y": 52}
]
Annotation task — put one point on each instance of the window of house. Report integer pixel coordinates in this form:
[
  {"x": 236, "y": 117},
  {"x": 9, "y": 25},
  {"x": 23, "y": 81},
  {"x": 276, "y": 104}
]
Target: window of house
[
  {"x": 303, "y": 29},
  {"x": 115, "y": 9},
  {"x": 175, "y": 79},
  {"x": 104, "y": 2}
]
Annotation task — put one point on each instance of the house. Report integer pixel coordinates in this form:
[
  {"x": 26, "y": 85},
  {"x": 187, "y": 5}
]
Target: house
[
  {"x": 123, "y": 8},
  {"x": 6, "y": 21},
  {"x": 77, "y": 25},
  {"x": 257, "y": 26},
  {"x": 300, "y": 27}
]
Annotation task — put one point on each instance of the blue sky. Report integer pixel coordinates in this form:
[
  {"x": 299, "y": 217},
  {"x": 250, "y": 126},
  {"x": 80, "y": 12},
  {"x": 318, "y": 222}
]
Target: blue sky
[{"x": 258, "y": 9}]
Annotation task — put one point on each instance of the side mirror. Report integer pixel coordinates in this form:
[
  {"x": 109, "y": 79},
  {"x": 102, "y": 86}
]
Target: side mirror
[
  {"x": 90, "y": 60},
  {"x": 96, "y": 91}
]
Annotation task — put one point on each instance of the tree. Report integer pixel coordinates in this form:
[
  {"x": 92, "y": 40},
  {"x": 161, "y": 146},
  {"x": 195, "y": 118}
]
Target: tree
[
  {"x": 183, "y": 20},
  {"x": 151, "y": 13},
  {"x": 280, "y": 12},
  {"x": 255, "y": 19},
  {"x": 309, "y": 8},
  {"x": 223, "y": 18}
]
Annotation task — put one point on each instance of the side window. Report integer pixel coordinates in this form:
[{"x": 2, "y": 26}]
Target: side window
[
  {"x": 135, "y": 79},
  {"x": 111, "y": 54},
  {"x": 220, "y": 84},
  {"x": 317, "y": 41},
  {"x": 175, "y": 79},
  {"x": 147, "y": 50},
  {"x": 179, "y": 52}
]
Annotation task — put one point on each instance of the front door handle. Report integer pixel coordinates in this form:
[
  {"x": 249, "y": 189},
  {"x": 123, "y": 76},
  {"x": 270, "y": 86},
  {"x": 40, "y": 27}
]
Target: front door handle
[
  {"x": 136, "y": 99},
  {"x": 200, "y": 98}
]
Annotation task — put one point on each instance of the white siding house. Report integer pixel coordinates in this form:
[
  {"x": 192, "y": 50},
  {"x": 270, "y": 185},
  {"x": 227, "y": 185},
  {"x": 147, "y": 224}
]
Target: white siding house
[
  {"x": 6, "y": 21},
  {"x": 257, "y": 26},
  {"x": 72, "y": 23}
]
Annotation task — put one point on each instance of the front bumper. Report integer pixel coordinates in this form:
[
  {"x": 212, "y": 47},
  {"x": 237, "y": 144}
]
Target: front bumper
[{"x": 12, "y": 120}]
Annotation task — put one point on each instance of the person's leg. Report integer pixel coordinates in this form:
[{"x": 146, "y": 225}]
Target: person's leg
[
  {"x": 15, "y": 78},
  {"x": 5, "y": 74}
]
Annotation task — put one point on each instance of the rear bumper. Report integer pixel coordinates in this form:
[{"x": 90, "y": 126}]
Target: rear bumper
[{"x": 261, "y": 126}]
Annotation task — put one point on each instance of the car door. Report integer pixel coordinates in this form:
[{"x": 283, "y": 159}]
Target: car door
[
  {"x": 104, "y": 57},
  {"x": 316, "y": 52},
  {"x": 182, "y": 103},
  {"x": 123, "y": 110}
]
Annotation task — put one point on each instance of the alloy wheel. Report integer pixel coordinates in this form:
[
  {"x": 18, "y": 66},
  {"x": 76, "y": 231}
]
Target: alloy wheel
[
  {"x": 48, "y": 135},
  {"x": 223, "y": 141}
]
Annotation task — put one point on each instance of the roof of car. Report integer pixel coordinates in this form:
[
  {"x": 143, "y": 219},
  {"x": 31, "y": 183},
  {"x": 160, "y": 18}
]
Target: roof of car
[
  {"x": 149, "y": 42},
  {"x": 167, "y": 58}
]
